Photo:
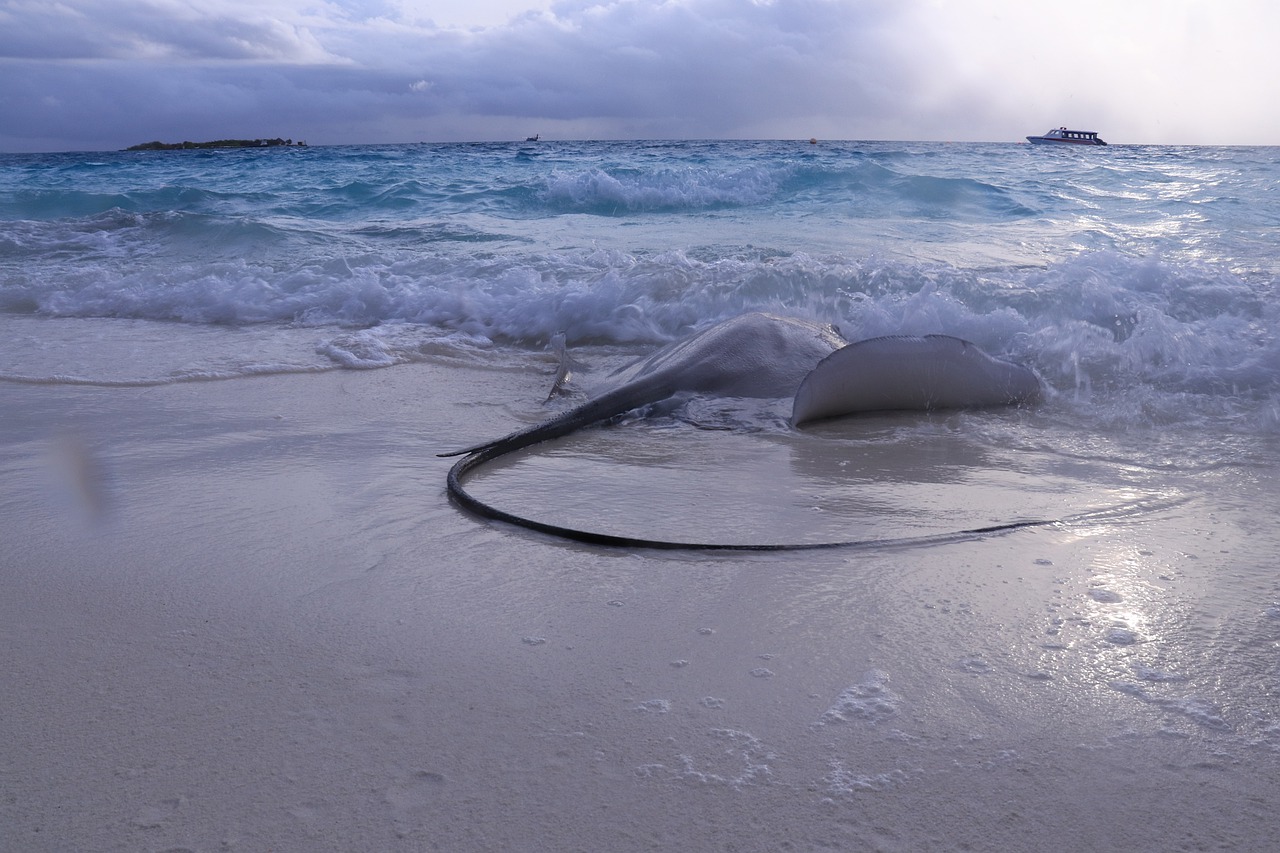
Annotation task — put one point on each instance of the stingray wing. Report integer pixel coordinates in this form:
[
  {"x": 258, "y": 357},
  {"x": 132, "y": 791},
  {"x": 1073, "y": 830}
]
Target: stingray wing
[{"x": 910, "y": 373}]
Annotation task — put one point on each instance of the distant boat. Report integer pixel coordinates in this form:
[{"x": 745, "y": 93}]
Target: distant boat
[
  {"x": 1062, "y": 136},
  {"x": 533, "y": 138}
]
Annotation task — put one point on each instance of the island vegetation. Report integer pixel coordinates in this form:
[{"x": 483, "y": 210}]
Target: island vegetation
[{"x": 217, "y": 143}]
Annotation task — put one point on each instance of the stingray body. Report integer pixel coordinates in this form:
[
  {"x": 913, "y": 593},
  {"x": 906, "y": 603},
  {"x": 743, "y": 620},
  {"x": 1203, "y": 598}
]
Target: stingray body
[
  {"x": 766, "y": 356},
  {"x": 910, "y": 373},
  {"x": 754, "y": 355}
]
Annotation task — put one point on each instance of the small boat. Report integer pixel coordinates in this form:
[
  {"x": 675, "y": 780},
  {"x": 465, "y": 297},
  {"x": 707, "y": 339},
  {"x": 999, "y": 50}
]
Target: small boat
[
  {"x": 1062, "y": 136},
  {"x": 533, "y": 138}
]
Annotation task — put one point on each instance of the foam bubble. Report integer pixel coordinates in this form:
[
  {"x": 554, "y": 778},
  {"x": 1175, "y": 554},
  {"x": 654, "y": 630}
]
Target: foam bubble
[
  {"x": 655, "y": 706},
  {"x": 870, "y": 700},
  {"x": 740, "y": 759},
  {"x": 844, "y": 782}
]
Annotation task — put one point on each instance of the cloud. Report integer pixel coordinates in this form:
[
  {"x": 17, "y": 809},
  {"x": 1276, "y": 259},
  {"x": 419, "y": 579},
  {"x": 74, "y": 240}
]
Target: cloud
[
  {"x": 142, "y": 69},
  {"x": 717, "y": 67},
  {"x": 108, "y": 73},
  {"x": 156, "y": 30}
]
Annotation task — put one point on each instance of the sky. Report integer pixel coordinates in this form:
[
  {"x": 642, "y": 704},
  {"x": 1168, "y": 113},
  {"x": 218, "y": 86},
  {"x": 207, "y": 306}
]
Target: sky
[{"x": 84, "y": 75}]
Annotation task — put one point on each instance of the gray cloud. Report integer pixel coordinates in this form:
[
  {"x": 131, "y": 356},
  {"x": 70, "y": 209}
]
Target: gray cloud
[
  {"x": 713, "y": 66},
  {"x": 96, "y": 74},
  {"x": 150, "y": 30}
]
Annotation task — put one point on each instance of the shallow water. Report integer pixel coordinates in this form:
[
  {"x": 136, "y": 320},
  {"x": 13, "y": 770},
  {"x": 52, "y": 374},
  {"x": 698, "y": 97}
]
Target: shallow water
[{"x": 271, "y": 625}]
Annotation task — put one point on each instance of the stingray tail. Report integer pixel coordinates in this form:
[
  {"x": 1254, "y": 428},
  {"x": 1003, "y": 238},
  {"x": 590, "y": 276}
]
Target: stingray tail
[{"x": 596, "y": 409}]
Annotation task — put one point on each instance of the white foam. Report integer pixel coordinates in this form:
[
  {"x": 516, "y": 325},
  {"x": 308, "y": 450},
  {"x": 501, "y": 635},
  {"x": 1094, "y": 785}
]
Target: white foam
[
  {"x": 870, "y": 700},
  {"x": 844, "y": 782},
  {"x": 740, "y": 761},
  {"x": 655, "y": 706}
]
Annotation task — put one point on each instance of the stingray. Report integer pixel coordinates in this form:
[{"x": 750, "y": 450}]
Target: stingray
[{"x": 767, "y": 356}]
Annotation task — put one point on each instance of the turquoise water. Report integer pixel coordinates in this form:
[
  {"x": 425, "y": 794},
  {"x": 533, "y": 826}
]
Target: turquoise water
[{"x": 1121, "y": 274}]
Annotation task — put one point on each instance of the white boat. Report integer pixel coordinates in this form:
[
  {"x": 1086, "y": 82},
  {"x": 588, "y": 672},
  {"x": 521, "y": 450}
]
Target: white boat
[{"x": 1062, "y": 136}]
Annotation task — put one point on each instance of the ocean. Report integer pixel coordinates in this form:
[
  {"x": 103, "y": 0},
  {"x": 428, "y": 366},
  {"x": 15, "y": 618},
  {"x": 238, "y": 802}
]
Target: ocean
[
  {"x": 1138, "y": 280},
  {"x": 324, "y": 320}
]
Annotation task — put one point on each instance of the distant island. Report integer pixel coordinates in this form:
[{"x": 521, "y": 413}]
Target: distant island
[{"x": 218, "y": 143}]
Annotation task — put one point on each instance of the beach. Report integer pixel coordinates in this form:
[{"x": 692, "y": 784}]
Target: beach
[{"x": 242, "y": 614}]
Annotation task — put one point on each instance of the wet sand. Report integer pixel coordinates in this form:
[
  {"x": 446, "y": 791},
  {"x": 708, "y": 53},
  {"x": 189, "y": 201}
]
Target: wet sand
[{"x": 242, "y": 615}]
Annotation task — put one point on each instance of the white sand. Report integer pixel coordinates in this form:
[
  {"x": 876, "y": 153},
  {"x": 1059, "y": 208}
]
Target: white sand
[{"x": 242, "y": 615}]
